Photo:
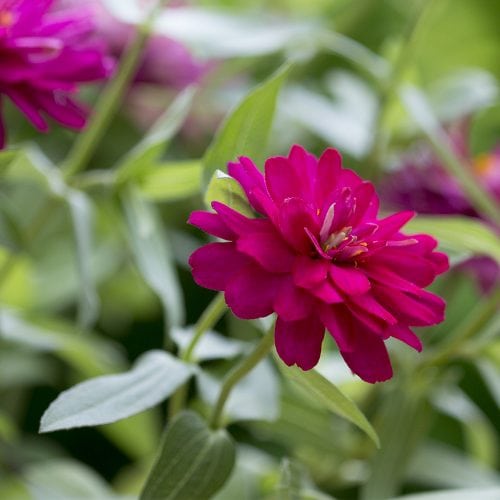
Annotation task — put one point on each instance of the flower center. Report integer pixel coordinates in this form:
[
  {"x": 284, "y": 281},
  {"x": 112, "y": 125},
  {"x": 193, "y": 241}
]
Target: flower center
[
  {"x": 6, "y": 19},
  {"x": 336, "y": 238}
]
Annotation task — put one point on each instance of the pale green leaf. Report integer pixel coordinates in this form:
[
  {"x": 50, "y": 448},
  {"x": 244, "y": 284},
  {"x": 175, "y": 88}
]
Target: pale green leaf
[
  {"x": 464, "y": 234},
  {"x": 153, "y": 254},
  {"x": 193, "y": 462},
  {"x": 154, "y": 143},
  {"x": 456, "y": 494},
  {"x": 245, "y": 131},
  {"x": 109, "y": 398},
  {"x": 331, "y": 397},
  {"x": 171, "y": 181},
  {"x": 227, "y": 190}
]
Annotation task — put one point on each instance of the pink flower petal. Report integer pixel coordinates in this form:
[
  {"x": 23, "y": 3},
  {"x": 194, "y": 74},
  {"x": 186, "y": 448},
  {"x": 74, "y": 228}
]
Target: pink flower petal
[
  {"x": 299, "y": 342},
  {"x": 370, "y": 361},
  {"x": 292, "y": 303},
  {"x": 309, "y": 272},
  {"x": 251, "y": 293},
  {"x": 404, "y": 334},
  {"x": 236, "y": 222},
  {"x": 391, "y": 225},
  {"x": 268, "y": 248},
  {"x": 339, "y": 322},
  {"x": 281, "y": 180},
  {"x": 214, "y": 265},
  {"x": 350, "y": 280},
  {"x": 294, "y": 216},
  {"x": 329, "y": 169},
  {"x": 212, "y": 224}
]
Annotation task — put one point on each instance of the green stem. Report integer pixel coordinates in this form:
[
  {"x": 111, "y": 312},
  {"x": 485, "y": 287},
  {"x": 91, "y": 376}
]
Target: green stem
[
  {"x": 109, "y": 101},
  {"x": 207, "y": 320},
  {"x": 237, "y": 373}
]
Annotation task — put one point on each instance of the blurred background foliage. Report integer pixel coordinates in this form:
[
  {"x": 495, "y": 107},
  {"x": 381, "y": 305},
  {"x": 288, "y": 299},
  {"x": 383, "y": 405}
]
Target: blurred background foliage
[{"x": 93, "y": 268}]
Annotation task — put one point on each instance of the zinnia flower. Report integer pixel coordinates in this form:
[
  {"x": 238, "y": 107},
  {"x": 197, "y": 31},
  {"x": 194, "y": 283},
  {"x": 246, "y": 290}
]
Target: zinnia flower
[
  {"x": 318, "y": 256},
  {"x": 46, "y": 54}
]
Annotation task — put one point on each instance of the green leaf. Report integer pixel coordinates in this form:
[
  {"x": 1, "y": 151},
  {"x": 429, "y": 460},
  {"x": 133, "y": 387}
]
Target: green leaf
[
  {"x": 154, "y": 143},
  {"x": 441, "y": 466},
  {"x": 61, "y": 479},
  {"x": 193, "y": 462},
  {"x": 331, "y": 397},
  {"x": 246, "y": 130},
  {"x": 211, "y": 346},
  {"x": 153, "y": 255},
  {"x": 80, "y": 207},
  {"x": 6, "y": 158},
  {"x": 255, "y": 397},
  {"x": 172, "y": 181},
  {"x": 464, "y": 234},
  {"x": 227, "y": 190},
  {"x": 106, "y": 399},
  {"x": 456, "y": 494}
]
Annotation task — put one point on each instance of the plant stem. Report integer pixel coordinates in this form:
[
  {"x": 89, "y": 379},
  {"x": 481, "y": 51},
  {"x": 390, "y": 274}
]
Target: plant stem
[
  {"x": 109, "y": 100},
  {"x": 207, "y": 320},
  {"x": 238, "y": 372}
]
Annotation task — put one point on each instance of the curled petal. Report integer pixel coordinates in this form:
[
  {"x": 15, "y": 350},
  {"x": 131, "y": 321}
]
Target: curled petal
[
  {"x": 212, "y": 224},
  {"x": 350, "y": 280}
]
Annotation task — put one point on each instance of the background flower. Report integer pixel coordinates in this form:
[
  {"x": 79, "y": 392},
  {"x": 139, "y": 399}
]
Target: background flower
[
  {"x": 319, "y": 257},
  {"x": 46, "y": 54}
]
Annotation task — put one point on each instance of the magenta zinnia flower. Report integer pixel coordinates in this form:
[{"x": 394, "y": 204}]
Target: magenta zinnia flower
[
  {"x": 46, "y": 54},
  {"x": 317, "y": 255}
]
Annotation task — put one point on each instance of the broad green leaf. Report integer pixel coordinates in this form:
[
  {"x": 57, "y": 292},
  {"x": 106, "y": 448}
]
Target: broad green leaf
[
  {"x": 443, "y": 466},
  {"x": 456, "y": 494},
  {"x": 255, "y": 397},
  {"x": 171, "y": 181},
  {"x": 227, "y": 190},
  {"x": 331, "y": 397},
  {"x": 153, "y": 254},
  {"x": 6, "y": 158},
  {"x": 464, "y": 234},
  {"x": 154, "y": 143},
  {"x": 106, "y": 399},
  {"x": 245, "y": 131},
  {"x": 81, "y": 211},
  {"x": 403, "y": 423},
  {"x": 62, "y": 479},
  {"x": 211, "y": 346},
  {"x": 194, "y": 461}
]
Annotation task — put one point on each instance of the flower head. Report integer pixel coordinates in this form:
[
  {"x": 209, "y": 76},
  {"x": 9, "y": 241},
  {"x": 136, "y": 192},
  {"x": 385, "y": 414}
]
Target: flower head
[
  {"x": 46, "y": 54},
  {"x": 319, "y": 257}
]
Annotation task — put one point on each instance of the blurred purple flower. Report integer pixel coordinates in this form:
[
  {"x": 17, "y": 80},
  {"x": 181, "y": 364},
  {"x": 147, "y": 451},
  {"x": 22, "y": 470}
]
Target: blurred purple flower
[
  {"x": 319, "y": 257},
  {"x": 164, "y": 62},
  {"x": 424, "y": 185},
  {"x": 46, "y": 53}
]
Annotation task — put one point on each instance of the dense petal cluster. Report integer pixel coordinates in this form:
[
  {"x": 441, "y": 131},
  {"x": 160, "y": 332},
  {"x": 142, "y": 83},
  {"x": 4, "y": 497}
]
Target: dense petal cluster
[
  {"x": 46, "y": 53},
  {"x": 319, "y": 257}
]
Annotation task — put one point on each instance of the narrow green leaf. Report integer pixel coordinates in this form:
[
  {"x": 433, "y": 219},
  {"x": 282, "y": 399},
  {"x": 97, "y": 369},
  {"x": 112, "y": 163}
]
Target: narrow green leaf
[
  {"x": 464, "y": 234},
  {"x": 172, "y": 181},
  {"x": 154, "y": 143},
  {"x": 106, "y": 399},
  {"x": 81, "y": 212},
  {"x": 153, "y": 255},
  {"x": 226, "y": 190},
  {"x": 193, "y": 462},
  {"x": 245, "y": 131},
  {"x": 331, "y": 397}
]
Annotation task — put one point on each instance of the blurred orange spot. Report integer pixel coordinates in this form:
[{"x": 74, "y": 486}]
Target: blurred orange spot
[{"x": 6, "y": 18}]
